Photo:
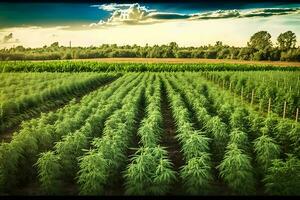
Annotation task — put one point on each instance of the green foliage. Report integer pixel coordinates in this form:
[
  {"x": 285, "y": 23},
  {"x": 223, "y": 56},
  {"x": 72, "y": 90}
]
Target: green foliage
[
  {"x": 69, "y": 148},
  {"x": 197, "y": 175},
  {"x": 294, "y": 136},
  {"x": 150, "y": 172},
  {"x": 260, "y": 41},
  {"x": 92, "y": 173},
  {"x": 270, "y": 126},
  {"x": 210, "y": 128},
  {"x": 194, "y": 145},
  {"x": 49, "y": 90},
  {"x": 266, "y": 150},
  {"x": 286, "y": 40},
  {"x": 37, "y": 135},
  {"x": 240, "y": 119},
  {"x": 240, "y": 139},
  {"x": 109, "y": 152},
  {"x": 236, "y": 170},
  {"x": 49, "y": 172},
  {"x": 283, "y": 177},
  {"x": 97, "y": 66},
  {"x": 277, "y": 86}
]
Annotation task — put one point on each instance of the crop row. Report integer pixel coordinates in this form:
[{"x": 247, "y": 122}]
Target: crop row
[
  {"x": 271, "y": 91},
  {"x": 94, "y": 66},
  {"x": 16, "y": 107},
  {"x": 227, "y": 146},
  {"x": 38, "y": 135}
]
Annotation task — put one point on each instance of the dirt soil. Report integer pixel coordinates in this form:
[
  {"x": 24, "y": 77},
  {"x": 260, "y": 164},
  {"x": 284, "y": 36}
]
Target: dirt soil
[{"x": 170, "y": 142}]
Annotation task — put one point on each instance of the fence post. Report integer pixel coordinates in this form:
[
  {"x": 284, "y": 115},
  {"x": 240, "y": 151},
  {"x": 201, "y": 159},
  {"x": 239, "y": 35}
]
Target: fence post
[
  {"x": 269, "y": 106},
  {"x": 284, "y": 109}
]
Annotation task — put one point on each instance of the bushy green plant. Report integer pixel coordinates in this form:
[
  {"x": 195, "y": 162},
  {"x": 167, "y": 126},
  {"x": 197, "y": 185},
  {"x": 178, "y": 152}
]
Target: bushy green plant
[
  {"x": 239, "y": 138},
  {"x": 150, "y": 172},
  {"x": 240, "y": 119},
  {"x": 197, "y": 175},
  {"x": 237, "y": 171},
  {"x": 194, "y": 145},
  {"x": 49, "y": 173},
  {"x": 283, "y": 177},
  {"x": 266, "y": 150},
  {"x": 92, "y": 173}
]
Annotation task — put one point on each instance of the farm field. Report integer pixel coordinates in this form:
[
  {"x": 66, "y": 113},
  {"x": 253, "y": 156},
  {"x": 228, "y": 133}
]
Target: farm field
[
  {"x": 96, "y": 66},
  {"x": 152, "y": 129},
  {"x": 24, "y": 95},
  {"x": 182, "y": 61}
]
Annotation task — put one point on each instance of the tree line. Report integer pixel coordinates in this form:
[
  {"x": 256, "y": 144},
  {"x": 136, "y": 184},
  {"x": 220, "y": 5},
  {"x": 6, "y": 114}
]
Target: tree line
[{"x": 259, "y": 47}]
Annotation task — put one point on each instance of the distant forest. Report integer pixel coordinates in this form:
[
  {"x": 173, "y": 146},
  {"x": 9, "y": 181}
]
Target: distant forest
[{"x": 259, "y": 47}]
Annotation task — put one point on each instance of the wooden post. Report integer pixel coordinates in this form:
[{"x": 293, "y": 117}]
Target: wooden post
[
  {"x": 297, "y": 113},
  {"x": 230, "y": 86},
  {"x": 252, "y": 97},
  {"x": 269, "y": 106},
  {"x": 284, "y": 109}
]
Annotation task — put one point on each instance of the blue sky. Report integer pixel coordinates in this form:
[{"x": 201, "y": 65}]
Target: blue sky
[{"x": 188, "y": 24}]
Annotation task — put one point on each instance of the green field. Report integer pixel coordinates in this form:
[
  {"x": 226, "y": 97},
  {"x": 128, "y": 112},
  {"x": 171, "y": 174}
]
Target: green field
[{"x": 91, "y": 128}]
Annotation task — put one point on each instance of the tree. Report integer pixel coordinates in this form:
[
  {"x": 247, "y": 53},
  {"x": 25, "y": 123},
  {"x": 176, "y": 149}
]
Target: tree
[
  {"x": 55, "y": 44},
  {"x": 260, "y": 41},
  {"x": 219, "y": 43},
  {"x": 173, "y": 45},
  {"x": 286, "y": 40},
  {"x": 20, "y": 48}
]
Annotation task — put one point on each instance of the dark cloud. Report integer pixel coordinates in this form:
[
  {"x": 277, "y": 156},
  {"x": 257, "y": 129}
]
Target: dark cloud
[
  {"x": 7, "y": 38},
  {"x": 271, "y": 12},
  {"x": 169, "y": 16}
]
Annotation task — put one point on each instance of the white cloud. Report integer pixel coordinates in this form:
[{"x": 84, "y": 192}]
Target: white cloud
[
  {"x": 115, "y": 6},
  {"x": 124, "y": 14},
  {"x": 136, "y": 14}
]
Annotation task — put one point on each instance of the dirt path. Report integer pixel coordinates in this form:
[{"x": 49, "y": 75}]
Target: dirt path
[{"x": 170, "y": 142}]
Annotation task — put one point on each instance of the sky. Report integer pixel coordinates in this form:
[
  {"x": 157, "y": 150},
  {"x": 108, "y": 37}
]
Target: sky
[{"x": 187, "y": 24}]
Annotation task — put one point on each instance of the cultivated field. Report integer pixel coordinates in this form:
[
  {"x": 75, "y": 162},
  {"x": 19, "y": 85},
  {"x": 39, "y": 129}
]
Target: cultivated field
[
  {"x": 155, "y": 129},
  {"x": 184, "y": 60}
]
